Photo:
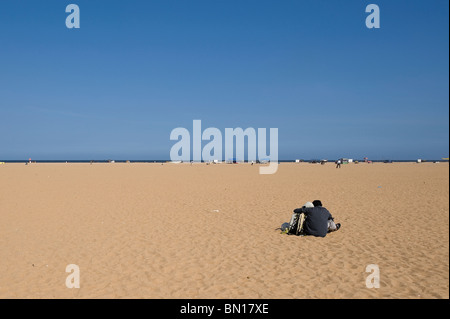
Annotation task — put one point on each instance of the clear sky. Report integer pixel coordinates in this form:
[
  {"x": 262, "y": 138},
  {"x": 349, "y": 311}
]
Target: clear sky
[{"x": 135, "y": 70}]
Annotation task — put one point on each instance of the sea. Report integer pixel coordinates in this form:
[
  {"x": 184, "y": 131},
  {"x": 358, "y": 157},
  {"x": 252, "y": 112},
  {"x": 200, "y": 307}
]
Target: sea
[{"x": 165, "y": 161}]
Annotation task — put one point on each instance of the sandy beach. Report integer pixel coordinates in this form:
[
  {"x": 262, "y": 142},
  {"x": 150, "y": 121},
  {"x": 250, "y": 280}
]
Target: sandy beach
[{"x": 210, "y": 231}]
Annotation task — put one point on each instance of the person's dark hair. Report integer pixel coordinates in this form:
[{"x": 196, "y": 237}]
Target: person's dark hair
[{"x": 317, "y": 203}]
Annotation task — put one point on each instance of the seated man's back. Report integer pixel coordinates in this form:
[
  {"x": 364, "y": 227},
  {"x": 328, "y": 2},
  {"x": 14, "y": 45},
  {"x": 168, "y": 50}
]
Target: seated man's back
[{"x": 316, "y": 223}]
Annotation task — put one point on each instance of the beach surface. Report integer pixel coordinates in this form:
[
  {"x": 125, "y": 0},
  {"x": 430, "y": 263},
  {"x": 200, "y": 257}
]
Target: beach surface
[{"x": 211, "y": 231}]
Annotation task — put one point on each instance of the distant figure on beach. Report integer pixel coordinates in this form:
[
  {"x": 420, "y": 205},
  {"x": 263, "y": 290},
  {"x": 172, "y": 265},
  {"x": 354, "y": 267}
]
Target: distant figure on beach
[
  {"x": 338, "y": 163},
  {"x": 318, "y": 220}
]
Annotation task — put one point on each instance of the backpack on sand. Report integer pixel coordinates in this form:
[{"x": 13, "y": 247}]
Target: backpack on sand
[{"x": 296, "y": 224}]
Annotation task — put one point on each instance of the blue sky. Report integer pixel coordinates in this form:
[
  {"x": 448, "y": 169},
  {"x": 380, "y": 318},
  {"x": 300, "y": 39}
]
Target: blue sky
[{"x": 135, "y": 70}]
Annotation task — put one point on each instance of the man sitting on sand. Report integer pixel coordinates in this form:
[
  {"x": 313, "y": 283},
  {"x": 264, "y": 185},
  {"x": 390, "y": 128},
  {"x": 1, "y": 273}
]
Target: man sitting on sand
[{"x": 318, "y": 221}]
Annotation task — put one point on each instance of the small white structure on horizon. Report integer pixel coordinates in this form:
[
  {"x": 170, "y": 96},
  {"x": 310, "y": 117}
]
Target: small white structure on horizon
[
  {"x": 419, "y": 160},
  {"x": 297, "y": 161},
  {"x": 350, "y": 160}
]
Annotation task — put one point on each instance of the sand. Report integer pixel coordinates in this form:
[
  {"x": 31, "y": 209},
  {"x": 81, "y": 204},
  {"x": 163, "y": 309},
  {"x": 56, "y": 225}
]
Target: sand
[{"x": 210, "y": 231}]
